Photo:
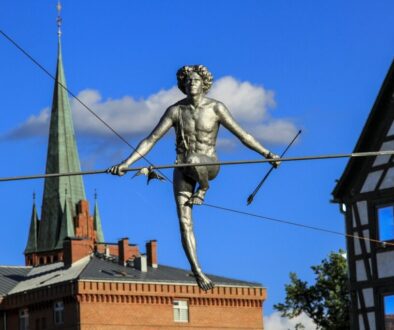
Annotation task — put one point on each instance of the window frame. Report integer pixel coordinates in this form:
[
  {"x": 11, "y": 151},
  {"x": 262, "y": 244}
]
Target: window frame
[
  {"x": 384, "y": 295},
  {"x": 179, "y": 305},
  {"x": 378, "y": 223},
  {"x": 23, "y": 319},
  {"x": 58, "y": 310}
]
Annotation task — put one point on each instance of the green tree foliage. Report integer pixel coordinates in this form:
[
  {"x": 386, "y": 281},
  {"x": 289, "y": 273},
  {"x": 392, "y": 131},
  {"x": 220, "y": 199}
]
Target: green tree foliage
[{"x": 327, "y": 301}]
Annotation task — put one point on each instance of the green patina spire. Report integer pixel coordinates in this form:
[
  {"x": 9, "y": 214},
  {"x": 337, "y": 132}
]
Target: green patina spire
[
  {"x": 66, "y": 225},
  {"x": 97, "y": 221},
  {"x": 62, "y": 157},
  {"x": 31, "y": 245}
]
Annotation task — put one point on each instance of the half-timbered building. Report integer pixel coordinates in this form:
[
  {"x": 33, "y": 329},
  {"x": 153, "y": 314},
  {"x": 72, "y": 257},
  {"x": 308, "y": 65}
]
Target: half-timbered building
[{"x": 365, "y": 193}]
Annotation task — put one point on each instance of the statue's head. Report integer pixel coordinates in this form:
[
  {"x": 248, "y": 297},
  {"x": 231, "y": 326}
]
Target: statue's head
[{"x": 186, "y": 71}]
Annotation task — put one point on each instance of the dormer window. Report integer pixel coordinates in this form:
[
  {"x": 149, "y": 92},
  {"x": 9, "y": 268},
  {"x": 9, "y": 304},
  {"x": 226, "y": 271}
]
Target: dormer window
[{"x": 386, "y": 222}]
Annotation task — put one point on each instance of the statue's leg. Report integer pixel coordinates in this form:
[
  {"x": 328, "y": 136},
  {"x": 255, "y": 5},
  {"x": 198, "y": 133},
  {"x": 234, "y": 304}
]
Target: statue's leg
[
  {"x": 201, "y": 174},
  {"x": 183, "y": 190}
]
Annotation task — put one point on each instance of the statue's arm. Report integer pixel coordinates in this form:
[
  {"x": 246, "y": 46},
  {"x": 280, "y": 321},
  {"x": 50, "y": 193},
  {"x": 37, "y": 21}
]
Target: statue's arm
[
  {"x": 227, "y": 120},
  {"x": 165, "y": 123}
]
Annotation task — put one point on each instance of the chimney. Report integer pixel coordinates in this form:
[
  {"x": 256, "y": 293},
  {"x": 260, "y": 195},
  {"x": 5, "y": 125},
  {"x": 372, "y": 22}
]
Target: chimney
[
  {"x": 75, "y": 249},
  {"x": 123, "y": 248},
  {"x": 151, "y": 252},
  {"x": 140, "y": 263}
]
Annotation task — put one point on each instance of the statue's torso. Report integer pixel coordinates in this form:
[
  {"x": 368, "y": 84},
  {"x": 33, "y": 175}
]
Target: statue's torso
[{"x": 197, "y": 128}]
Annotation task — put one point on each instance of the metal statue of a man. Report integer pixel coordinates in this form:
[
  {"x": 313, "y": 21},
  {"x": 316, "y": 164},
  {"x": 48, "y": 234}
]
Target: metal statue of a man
[{"x": 196, "y": 120}]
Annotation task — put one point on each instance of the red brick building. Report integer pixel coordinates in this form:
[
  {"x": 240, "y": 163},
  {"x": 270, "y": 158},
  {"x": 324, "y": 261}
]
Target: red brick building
[
  {"x": 73, "y": 279},
  {"x": 105, "y": 291}
]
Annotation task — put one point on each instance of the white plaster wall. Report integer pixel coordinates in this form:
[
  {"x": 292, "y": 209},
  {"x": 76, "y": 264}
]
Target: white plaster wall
[
  {"x": 371, "y": 320},
  {"x": 391, "y": 130},
  {"x": 385, "y": 263},
  {"x": 367, "y": 243},
  {"x": 361, "y": 273},
  {"x": 363, "y": 212},
  {"x": 357, "y": 246},
  {"x": 361, "y": 322},
  {"x": 354, "y": 219},
  {"x": 357, "y": 243},
  {"x": 385, "y": 158},
  {"x": 371, "y": 181},
  {"x": 368, "y": 297},
  {"x": 388, "y": 181}
]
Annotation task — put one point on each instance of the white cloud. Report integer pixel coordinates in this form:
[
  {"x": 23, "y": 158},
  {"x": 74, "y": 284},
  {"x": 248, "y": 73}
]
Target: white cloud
[
  {"x": 276, "y": 322},
  {"x": 33, "y": 126},
  {"x": 247, "y": 102},
  {"x": 275, "y": 131},
  {"x": 225, "y": 144},
  {"x": 126, "y": 115},
  {"x": 250, "y": 104}
]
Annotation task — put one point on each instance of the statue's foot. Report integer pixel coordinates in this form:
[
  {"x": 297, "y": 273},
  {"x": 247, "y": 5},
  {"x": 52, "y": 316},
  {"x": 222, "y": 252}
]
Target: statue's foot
[
  {"x": 204, "y": 282},
  {"x": 197, "y": 198}
]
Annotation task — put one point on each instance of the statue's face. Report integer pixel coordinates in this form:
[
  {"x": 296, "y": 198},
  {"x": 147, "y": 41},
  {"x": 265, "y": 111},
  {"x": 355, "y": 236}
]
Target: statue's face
[{"x": 193, "y": 84}]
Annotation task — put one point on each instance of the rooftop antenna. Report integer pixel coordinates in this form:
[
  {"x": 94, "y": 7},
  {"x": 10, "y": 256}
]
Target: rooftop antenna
[{"x": 59, "y": 19}]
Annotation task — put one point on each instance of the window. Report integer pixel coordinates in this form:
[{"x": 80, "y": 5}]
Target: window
[
  {"x": 58, "y": 309},
  {"x": 181, "y": 311},
  {"x": 24, "y": 319},
  {"x": 386, "y": 222},
  {"x": 389, "y": 312}
]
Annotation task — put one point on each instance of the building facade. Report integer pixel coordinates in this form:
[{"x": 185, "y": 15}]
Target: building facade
[
  {"x": 104, "y": 291},
  {"x": 365, "y": 193}
]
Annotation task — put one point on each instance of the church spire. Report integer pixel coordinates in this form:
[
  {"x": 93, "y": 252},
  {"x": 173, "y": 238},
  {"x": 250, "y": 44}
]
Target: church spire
[
  {"x": 66, "y": 225},
  {"x": 97, "y": 221},
  {"x": 31, "y": 245},
  {"x": 62, "y": 157}
]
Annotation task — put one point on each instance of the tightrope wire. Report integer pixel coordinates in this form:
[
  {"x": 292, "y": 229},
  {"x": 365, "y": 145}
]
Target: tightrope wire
[
  {"x": 352, "y": 155},
  {"x": 225, "y": 163}
]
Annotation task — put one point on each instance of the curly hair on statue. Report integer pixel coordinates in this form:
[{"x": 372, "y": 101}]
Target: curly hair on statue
[{"x": 201, "y": 70}]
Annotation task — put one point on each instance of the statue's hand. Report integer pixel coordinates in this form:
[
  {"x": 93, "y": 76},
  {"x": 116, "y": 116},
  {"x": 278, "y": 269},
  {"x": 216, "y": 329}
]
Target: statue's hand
[
  {"x": 119, "y": 169},
  {"x": 274, "y": 163}
]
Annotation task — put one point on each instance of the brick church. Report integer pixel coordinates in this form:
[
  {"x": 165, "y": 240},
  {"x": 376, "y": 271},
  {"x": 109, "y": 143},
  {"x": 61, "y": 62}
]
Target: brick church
[{"x": 74, "y": 279}]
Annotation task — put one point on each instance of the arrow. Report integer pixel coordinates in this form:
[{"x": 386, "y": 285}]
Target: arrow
[{"x": 255, "y": 191}]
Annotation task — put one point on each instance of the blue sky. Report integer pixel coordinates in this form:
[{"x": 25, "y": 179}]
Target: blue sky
[{"x": 279, "y": 66}]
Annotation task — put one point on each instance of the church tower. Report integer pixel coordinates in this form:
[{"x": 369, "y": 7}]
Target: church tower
[{"x": 65, "y": 211}]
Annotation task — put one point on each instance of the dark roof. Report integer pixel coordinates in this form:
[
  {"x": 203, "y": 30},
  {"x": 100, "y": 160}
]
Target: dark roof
[
  {"x": 96, "y": 268},
  {"x": 374, "y": 129},
  {"x": 105, "y": 270},
  {"x": 10, "y": 277}
]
